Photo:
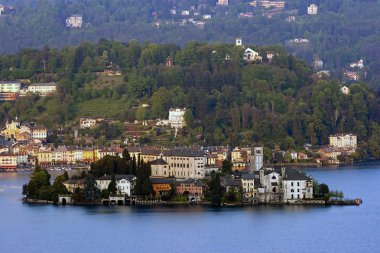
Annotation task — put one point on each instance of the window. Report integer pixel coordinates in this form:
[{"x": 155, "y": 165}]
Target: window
[
  {"x": 291, "y": 183},
  {"x": 298, "y": 183}
]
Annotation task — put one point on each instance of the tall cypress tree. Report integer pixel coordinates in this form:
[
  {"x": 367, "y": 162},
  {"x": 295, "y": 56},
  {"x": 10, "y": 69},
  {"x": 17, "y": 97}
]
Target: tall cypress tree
[{"x": 112, "y": 186}]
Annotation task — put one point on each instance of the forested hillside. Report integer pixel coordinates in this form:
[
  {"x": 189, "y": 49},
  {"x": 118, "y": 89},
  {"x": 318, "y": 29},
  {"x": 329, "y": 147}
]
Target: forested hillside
[
  {"x": 343, "y": 31},
  {"x": 229, "y": 101}
]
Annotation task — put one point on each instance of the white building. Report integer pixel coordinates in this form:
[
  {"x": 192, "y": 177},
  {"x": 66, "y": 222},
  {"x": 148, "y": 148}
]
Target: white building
[
  {"x": 74, "y": 21},
  {"x": 312, "y": 9},
  {"x": 78, "y": 155},
  {"x": 343, "y": 141},
  {"x": 248, "y": 185},
  {"x": 359, "y": 64},
  {"x": 345, "y": 90},
  {"x": 124, "y": 183},
  {"x": 176, "y": 117},
  {"x": 270, "y": 180},
  {"x": 251, "y": 55},
  {"x": 186, "y": 163},
  {"x": 296, "y": 186},
  {"x": 239, "y": 41},
  {"x": 160, "y": 168},
  {"x": 206, "y": 16},
  {"x": 10, "y": 86},
  {"x": 39, "y": 133},
  {"x": 88, "y": 122},
  {"x": 42, "y": 89},
  {"x": 8, "y": 161},
  {"x": 257, "y": 159},
  {"x": 222, "y": 2},
  {"x": 284, "y": 186},
  {"x": 185, "y": 13},
  {"x": 183, "y": 163}
]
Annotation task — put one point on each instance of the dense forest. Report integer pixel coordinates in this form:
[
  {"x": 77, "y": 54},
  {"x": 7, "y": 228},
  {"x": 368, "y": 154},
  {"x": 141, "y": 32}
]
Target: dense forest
[
  {"x": 343, "y": 31},
  {"x": 228, "y": 101}
]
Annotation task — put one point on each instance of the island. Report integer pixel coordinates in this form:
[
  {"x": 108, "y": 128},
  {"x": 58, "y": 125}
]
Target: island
[{"x": 177, "y": 176}]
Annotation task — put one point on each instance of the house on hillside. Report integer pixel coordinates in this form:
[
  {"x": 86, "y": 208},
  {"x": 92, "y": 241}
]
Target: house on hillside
[{"x": 251, "y": 56}]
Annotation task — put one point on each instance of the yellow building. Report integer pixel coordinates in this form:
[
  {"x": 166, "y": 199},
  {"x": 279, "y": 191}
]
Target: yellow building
[
  {"x": 45, "y": 157},
  {"x": 88, "y": 155},
  {"x": 12, "y": 130}
]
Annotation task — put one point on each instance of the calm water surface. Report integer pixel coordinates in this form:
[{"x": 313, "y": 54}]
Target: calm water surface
[{"x": 38, "y": 228}]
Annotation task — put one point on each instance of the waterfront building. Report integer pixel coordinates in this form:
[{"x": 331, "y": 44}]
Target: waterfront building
[
  {"x": 296, "y": 186},
  {"x": 124, "y": 183},
  {"x": 110, "y": 151},
  {"x": 162, "y": 186},
  {"x": 190, "y": 187},
  {"x": 44, "y": 157},
  {"x": 72, "y": 184},
  {"x": 8, "y": 161},
  {"x": 88, "y": 154},
  {"x": 248, "y": 185}
]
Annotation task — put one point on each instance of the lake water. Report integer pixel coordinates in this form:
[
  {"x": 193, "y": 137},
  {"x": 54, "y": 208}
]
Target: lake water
[{"x": 47, "y": 228}]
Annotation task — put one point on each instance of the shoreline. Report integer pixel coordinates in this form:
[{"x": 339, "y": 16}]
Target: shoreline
[{"x": 314, "y": 202}]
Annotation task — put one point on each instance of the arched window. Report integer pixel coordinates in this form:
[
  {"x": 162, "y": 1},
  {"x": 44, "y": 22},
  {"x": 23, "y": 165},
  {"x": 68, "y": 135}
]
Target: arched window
[
  {"x": 274, "y": 177},
  {"x": 291, "y": 190}
]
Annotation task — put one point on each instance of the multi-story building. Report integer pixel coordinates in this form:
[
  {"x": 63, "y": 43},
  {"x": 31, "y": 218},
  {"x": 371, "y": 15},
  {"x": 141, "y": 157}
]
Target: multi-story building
[
  {"x": 284, "y": 186},
  {"x": 10, "y": 86},
  {"x": 8, "y": 161},
  {"x": 110, "y": 151},
  {"x": 42, "y": 89},
  {"x": 296, "y": 186},
  {"x": 160, "y": 168},
  {"x": 176, "y": 117},
  {"x": 190, "y": 187},
  {"x": 74, "y": 21},
  {"x": 89, "y": 122},
  {"x": 222, "y": 2},
  {"x": 343, "y": 141},
  {"x": 257, "y": 159},
  {"x": 124, "y": 183},
  {"x": 45, "y": 157},
  {"x": 183, "y": 162},
  {"x": 39, "y": 133},
  {"x": 312, "y": 9},
  {"x": 272, "y": 4},
  {"x": 248, "y": 185}
]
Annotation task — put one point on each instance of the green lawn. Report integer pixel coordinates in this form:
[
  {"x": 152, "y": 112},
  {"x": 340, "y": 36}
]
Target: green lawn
[
  {"x": 105, "y": 82},
  {"x": 106, "y": 107}
]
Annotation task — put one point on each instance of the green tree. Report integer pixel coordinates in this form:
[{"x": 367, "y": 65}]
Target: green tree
[
  {"x": 226, "y": 167},
  {"x": 112, "y": 186}
]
